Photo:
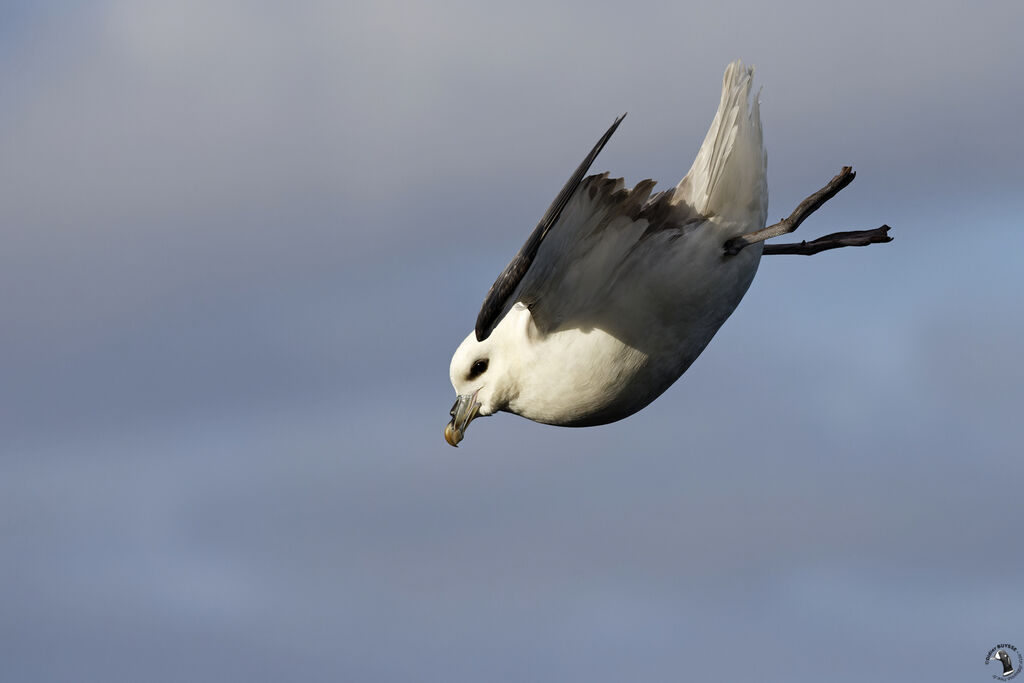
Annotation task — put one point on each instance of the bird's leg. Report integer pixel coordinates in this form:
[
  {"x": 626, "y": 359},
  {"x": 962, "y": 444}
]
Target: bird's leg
[
  {"x": 808, "y": 206},
  {"x": 852, "y": 238}
]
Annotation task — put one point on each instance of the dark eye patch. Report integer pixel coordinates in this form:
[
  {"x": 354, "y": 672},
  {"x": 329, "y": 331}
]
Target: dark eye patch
[{"x": 479, "y": 368}]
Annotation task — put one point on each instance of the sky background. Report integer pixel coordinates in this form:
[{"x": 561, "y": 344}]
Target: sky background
[{"x": 240, "y": 241}]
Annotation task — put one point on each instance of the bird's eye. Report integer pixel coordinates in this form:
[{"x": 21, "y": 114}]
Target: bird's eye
[{"x": 479, "y": 368}]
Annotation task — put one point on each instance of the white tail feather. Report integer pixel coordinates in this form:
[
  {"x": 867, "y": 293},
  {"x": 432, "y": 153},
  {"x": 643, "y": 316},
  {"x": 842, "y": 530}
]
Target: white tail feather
[{"x": 728, "y": 177}]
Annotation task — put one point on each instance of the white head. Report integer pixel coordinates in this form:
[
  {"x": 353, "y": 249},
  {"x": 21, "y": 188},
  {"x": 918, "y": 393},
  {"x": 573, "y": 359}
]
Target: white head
[{"x": 485, "y": 373}]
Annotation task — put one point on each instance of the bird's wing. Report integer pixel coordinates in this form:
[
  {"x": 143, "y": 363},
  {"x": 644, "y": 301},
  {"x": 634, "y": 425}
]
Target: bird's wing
[
  {"x": 498, "y": 299},
  {"x": 581, "y": 246}
]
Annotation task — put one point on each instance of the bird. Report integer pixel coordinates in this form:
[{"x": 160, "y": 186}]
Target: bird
[
  {"x": 618, "y": 290},
  {"x": 1004, "y": 658}
]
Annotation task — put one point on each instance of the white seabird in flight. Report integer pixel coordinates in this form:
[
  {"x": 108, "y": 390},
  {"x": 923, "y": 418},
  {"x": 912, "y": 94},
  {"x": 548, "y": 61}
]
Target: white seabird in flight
[{"x": 617, "y": 291}]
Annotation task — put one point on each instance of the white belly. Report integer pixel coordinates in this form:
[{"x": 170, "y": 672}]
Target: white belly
[{"x": 613, "y": 363}]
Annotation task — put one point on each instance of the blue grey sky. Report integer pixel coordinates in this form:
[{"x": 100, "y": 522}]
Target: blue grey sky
[{"x": 241, "y": 241}]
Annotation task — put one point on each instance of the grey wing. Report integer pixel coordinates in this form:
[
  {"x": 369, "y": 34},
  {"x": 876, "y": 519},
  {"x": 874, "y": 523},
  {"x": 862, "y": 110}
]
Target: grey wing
[
  {"x": 498, "y": 299},
  {"x": 580, "y": 246},
  {"x": 604, "y": 233},
  {"x": 610, "y": 238}
]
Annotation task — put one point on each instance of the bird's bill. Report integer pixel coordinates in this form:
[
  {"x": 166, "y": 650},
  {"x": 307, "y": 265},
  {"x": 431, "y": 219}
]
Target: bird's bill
[{"x": 465, "y": 409}]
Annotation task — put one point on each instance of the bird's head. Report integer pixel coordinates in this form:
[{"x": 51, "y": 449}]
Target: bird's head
[{"x": 484, "y": 373}]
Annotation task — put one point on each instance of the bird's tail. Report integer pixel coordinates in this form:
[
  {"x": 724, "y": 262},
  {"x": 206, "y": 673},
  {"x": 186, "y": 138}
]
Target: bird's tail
[{"x": 728, "y": 178}]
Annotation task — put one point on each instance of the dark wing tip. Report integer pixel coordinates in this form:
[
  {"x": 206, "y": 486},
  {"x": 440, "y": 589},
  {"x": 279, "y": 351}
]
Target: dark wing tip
[{"x": 513, "y": 274}]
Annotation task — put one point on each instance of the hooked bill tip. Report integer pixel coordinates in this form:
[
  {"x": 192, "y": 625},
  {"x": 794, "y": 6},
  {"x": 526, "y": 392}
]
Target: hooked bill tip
[{"x": 452, "y": 435}]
